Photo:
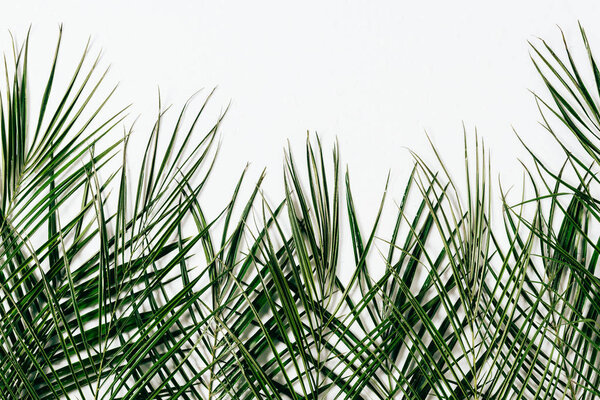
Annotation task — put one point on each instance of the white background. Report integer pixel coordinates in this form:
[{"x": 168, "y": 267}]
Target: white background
[{"x": 376, "y": 75}]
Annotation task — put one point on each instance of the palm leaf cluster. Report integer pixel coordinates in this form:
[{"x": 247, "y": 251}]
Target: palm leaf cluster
[{"x": 116, "y": 284}]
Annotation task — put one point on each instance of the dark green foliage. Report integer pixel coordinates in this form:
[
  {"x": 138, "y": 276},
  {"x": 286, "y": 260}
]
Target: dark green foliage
[{"x": 115, "y": 284}]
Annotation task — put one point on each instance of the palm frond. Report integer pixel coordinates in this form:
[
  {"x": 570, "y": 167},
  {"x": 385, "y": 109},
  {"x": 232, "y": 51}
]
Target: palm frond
[{"x": 115, "y": 283}]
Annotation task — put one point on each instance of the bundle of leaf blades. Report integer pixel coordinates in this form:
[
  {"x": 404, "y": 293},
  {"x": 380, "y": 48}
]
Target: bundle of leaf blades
[{"x": 117, "y": 284}]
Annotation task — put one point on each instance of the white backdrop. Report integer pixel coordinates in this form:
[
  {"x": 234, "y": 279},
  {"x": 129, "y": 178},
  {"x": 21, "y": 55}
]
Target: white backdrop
[{"x": 377, "y": 76}]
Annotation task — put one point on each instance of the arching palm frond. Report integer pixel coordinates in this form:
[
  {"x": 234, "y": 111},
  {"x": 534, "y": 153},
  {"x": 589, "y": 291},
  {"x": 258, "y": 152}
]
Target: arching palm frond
[
  {"x": 115, "y": 283},
  {"x": 567, "y": 228},
  {"x": 98, "y": 299}
]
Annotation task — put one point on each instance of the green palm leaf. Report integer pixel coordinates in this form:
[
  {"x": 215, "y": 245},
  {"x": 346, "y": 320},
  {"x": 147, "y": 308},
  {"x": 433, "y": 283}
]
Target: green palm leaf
[{"x": 116, "y": 284}]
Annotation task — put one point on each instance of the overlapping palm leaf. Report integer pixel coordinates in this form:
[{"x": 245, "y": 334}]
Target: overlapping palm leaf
[{"x": 116, "y": 284}]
